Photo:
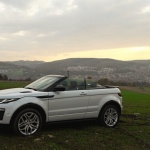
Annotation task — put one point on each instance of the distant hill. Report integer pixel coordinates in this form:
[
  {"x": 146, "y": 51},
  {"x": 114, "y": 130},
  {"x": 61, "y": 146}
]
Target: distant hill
[
  {"x": 30, "y": 64},
  {"x": 17, "y": 72},
  {"x": 116, "y": 70},
  {"x": 100, "y": 68},
  {"x": 82, "y": 63},
  {"x": 142, "y": 61}
]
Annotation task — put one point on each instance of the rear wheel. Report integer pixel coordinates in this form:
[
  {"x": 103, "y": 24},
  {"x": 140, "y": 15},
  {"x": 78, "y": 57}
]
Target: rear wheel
[
  {"x": 27, "y": 122},
  {"x": 109, "y": 116}
]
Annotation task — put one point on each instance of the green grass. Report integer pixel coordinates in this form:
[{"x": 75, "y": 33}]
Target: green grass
[
  {"x": 134, "y": 96},
  {"x": 135, "y": 102},
  {"x": 132, "y": 133},
  {"x": 12, "y": 84}
]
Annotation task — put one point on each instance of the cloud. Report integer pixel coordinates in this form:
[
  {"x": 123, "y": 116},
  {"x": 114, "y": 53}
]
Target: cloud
[
  {"x": 3, "y": 39},
  {"x": 145, "y": 10},
  {"x": 36, "y": 7},
  {"x": 69, "y": 26},
  {"x": 2, "y": 7},
  {"x": 20, "y": 33}
]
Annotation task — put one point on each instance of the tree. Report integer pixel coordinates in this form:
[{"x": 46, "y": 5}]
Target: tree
[
  {"x": 89, "y": 77},
  {"x": 5, "y": 77},
  {"x": 1, "y": 77},
  {"x": 104, "y": 81}
]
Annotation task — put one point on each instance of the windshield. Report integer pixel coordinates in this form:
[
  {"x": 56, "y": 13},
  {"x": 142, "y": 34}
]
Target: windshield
[{"x": 42, "y": 83}]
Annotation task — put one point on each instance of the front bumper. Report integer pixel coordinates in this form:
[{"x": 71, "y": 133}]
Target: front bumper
[
  {"x": 2, "y": 111},
  {"x": 5, "y": 113}
]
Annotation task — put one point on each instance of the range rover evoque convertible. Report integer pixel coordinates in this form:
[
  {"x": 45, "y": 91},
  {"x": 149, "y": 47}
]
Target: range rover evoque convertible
[{"x": 56, "y": 98}]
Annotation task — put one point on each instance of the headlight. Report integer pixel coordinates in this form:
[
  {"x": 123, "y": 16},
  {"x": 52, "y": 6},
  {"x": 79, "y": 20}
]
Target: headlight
[{"x": 8, "y": 100}]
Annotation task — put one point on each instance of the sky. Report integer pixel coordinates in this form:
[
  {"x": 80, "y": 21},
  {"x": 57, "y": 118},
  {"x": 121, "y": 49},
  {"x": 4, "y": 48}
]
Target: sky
[{"x": 51, "y": 30}]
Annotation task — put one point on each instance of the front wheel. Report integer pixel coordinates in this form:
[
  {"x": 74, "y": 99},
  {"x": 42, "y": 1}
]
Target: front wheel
[
  {"x": 27, "y": 122},
  {"x": 109, "y": 116}
]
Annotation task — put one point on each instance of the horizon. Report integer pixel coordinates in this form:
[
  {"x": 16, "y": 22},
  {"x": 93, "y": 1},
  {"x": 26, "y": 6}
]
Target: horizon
[
  {"x": 55, "y": 30},
  {"x": 78, "y": 58}
]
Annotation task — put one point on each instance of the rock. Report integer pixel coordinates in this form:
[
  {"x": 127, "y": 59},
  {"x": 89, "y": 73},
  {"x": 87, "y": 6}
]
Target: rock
[
  {"x": 50, "y": 136},
  {"x": 36, "y": 140}
]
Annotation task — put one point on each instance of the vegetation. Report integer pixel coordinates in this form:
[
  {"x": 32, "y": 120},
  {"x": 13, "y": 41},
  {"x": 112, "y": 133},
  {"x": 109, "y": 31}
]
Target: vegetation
[
  {"x": 105, "y": 81},
  {"x": 97, "y": 68},
  {"x": 3, "y": 77},
  {"x": 12, "y": 84},
  {"x": 133, "y": 131}
]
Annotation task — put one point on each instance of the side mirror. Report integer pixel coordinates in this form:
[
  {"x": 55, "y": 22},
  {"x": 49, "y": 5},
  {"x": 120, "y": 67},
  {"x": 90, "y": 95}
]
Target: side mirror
[{"x": 59, "y": 88}]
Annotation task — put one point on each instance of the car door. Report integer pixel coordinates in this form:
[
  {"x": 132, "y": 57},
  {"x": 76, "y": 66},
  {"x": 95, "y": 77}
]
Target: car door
[
  {"x": 96, "y": 93},
  {"x": 71, "y": 103}
]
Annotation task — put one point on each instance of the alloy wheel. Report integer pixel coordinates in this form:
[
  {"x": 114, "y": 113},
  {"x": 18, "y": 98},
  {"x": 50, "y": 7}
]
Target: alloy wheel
[
  {"x": 111, "y": 117},
  {"x": 28, "y": 123}
]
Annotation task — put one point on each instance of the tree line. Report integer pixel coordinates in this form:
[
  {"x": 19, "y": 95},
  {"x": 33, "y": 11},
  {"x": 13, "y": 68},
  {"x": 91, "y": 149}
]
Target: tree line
[
  {"x": 105, "y": 81},
  {"x": 3, "y": 77}
]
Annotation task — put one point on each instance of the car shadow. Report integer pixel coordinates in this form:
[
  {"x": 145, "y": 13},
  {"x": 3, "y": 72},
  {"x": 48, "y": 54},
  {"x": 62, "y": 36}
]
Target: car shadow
[
  {"x": 75, "y": 125},
  {"x": 6, "y": 130}
]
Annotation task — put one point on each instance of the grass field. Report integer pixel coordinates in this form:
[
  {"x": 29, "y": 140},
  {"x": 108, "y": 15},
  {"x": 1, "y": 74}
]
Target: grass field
[
  {"x": 132, "y": 133},
  {"x": 12, "y": 84}
]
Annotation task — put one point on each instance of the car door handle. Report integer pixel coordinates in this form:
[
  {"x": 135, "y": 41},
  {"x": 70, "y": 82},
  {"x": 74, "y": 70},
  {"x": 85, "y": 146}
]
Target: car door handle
[{"x": 83, "y": 93}]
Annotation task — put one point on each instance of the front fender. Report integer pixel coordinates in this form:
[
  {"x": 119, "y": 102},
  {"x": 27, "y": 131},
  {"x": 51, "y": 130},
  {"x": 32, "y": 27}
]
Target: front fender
[{"x": 12, "y": 107}]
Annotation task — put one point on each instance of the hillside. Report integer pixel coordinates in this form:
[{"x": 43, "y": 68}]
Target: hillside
[
  {"x": 30, "y": 64},
  {"x": 100, "y": 68},
  {"x": 116, "y": 70},
  {"x": 17, "y": 72},
  {"x": 81, "y": 64}
]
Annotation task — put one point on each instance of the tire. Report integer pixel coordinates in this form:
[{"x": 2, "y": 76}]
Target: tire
[
  {"x": 27, "y": 122},
  {"x": 109, "y": 116}
]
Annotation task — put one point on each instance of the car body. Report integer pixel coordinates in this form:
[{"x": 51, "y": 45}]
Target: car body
[{"x": 56, "y": 98}]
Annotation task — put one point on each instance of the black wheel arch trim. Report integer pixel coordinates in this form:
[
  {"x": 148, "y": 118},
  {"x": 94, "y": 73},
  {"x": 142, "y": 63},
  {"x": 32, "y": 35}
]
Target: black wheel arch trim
[
  {"x": 33, "y": 106},
  {"x": 111, "y": 102}
]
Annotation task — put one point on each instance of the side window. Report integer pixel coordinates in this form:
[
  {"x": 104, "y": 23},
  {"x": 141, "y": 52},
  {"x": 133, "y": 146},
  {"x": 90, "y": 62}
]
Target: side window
[
  {"x": 73, "y": 84},
  {"x": 91, "y": 84},
  {"x": 65, "y": 83}
]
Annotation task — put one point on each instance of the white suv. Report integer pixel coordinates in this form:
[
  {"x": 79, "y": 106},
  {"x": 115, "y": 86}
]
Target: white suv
[{"x": 55, "y": 98}]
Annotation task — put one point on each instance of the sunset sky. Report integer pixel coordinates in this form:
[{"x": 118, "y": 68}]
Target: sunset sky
[{"x": 57, "y": 29}]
